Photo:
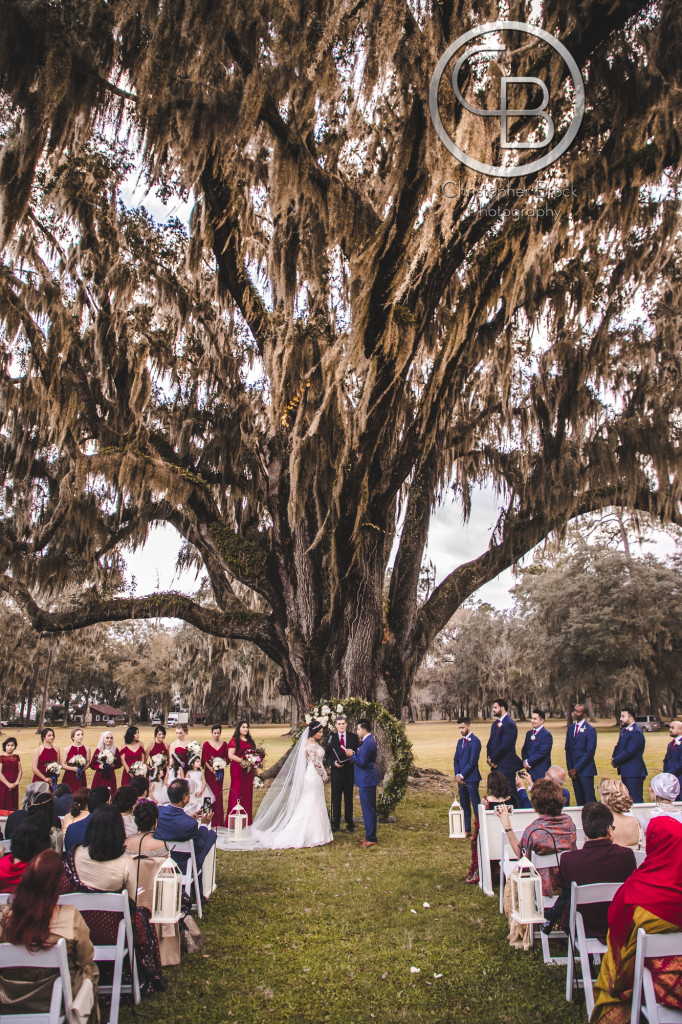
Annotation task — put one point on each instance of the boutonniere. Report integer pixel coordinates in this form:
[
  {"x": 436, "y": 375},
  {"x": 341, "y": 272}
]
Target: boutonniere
[
  {"x": 581, "y": 729},
  {"x": 499, "y": 725}
]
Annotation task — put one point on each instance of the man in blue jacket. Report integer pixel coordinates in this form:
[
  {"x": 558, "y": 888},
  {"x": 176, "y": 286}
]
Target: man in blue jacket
[
  {"x": 467, "y": 775},
  {"x": 501, "y": 747},
  {"x": 581, "y": 744},
  {"x": 175, "y": 825},
  {"x": 672, "y": 762},
  {"x": 536, "y": 752},
  {"x": 366, "y": 779},
  {"x": 628, "y": 755}
]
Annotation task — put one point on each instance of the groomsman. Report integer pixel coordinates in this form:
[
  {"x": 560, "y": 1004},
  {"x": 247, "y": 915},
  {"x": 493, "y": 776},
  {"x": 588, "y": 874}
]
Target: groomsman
[
  {"x": 581, "y": 744},
  {"x": 673, "y": 756},
  {"x": 501, "y": 748},
  {"x": 343, "y": 778},
  {"x": 627, "y": 755},
  {"x": 467, "y": 774},
  {"x": 536, "y": 752}
]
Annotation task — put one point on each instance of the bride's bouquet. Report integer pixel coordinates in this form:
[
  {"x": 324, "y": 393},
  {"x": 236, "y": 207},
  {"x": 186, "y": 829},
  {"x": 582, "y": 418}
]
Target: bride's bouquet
[
  {"x": 254, "y": 760},
  {"x": 79, "y": 763},
  {"x": 138, "y": 768},
  {"x": 157, "y": 764},
  {"x": 218, "y": 764},
  {"x": 105, "y": 760}
]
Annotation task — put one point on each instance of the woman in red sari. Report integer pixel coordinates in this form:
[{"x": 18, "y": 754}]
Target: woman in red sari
[
  {"x": 10, "y": 776},
  {"x": 651, "y": 899},
  {"x": 75, "y": 778},
  {"x": 105, "y": 774},
  {"x": 241, "y": 780},
  {"x": 215, "y": 776},
  {"x": 44, "y": 755},
  {"x": 131, "y": 753}
]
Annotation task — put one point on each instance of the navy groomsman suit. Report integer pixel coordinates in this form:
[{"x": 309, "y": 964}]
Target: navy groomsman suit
[
  {"x": 367, "y": 780},
  {"x": 536, "y": 752},
  {"x": 501, "y": 750},
  {"x": 672, "y": 762},
  {"x": 627, "y": 758},
  {"x": 467, "y": 753},
  {"x": 581, "y": 744}
]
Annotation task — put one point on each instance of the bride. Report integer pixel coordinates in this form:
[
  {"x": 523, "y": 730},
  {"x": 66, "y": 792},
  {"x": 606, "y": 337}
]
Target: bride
[{"x": 293, "y": 813}]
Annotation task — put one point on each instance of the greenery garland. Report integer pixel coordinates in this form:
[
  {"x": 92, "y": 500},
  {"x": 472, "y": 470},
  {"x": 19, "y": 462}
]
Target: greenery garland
[{"x": 394, "y": 784}]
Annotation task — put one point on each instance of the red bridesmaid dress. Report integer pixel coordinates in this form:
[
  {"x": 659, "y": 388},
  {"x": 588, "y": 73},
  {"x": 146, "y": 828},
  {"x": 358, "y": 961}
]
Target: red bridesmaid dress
[
  {"x": 215, "y": 784},
  {"x": 108, "y": 780},
  {"x": 181, "y": 754},
  {"x": 241, "y": 782},
  {"x": 70, "y": 776},
  {"x": 158, "y": 748},
  {"x": 9, "y": 766},
  {"x": 131, "y": 756},
  {"x": 45, "y": 757}
]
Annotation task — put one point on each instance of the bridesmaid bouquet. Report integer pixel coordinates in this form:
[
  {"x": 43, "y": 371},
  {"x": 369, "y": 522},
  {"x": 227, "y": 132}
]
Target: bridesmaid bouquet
[
  {"x": 254, "y": 760},
  {"x": 193, "y": 750},
  {"x": 79, "y": 763},
  {"x": 138, "y": 768},
  {"x": 53, "y": 769},
  {"x": 105, "y": 759},
  {"x": 218, "y": 764},
  {"x": 157, "y": 763}
]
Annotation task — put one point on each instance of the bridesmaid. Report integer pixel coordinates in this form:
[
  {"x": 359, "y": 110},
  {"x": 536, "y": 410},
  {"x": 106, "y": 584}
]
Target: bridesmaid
[
  {"x": 10, "y": 776},
  {"x": 178, "y": 752},
  {"x": 157, "y": 786},
  {"x": 72, "y": 778},
  {"x": 214, "y": 748},
  {"x": 159, "y": 746},
  {"x": 241, "y": 781},
  {"x": 105, "y": 776},
  {"x": 132, "y": 752},
  {"x": 42, "y": 756}
]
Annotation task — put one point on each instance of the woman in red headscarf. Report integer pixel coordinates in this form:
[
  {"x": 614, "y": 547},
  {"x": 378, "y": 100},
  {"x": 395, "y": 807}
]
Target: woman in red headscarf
[{"x": 651, "y": 899}]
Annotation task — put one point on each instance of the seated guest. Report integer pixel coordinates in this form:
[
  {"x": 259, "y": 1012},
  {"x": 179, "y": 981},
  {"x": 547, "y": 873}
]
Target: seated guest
[
  {"x": 554, "y": 772},
  {"x": 147, "y": 851},
  {"x": 663, "y": 791},
  {"x": 144, "y": 840},
  {"x": 62, "y": 799},
  {"x": 75, "y": 833},
  {"x": 43, "y": 807},
  {"x": 79, "y": 808},
  {"x": 651, "y": 899},
  {"x": 125, "y": 799},
  {"x": 497, "y": 792},
  {"x": 558, "y": 774},
  {"x": 175, "y": 825},
  {"x": 600, "y": 860},
  {"x": 102, "y": 865},
  {"x": 140, "y": 784},
  {"x": 627, "y": 830},
  {"x": 28, "y": 840},
  {"x": 35, "y": 920},
  {"x": 33, "y": 790}
]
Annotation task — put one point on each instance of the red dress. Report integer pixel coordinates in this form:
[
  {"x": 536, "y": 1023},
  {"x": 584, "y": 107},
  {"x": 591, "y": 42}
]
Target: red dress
[
  {"x": 158, "y": 748},
  {"x": 131, "y": 757},
  {"x": 108, "y": 779},
  {"x": 70, "y": 777},
  {"x": 215, "y": 784},
  {"x": 45, "y": 757},
  {"x": 241, "y": 781},
  {"x": 181, "y": 754},
  {"x": 9, "y": 766}
]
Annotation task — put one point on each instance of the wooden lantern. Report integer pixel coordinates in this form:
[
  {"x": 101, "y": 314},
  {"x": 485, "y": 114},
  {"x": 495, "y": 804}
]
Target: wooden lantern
[
  {"x": 237, "y": 821},
  {"x": 167, "y": 902},
  {"x": 526, "y": 894},
  {"x": 456, "y": 816}
]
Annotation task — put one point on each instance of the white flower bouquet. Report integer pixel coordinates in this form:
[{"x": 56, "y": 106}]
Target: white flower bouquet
[
  {"x": 79, "y": 763},
  {"x": 218, "y": 764},
  {"x": 193, "y": 750},
  {"x": 157, "y": 764},
  {"x": 258, "y": 783},
  {"x": 139, "y": 768},
  {"x": 54, "y": 769},
  {"x": 105, "y": 759}
]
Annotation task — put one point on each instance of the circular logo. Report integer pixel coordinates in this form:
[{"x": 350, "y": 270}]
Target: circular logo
[{"x": 504, "y": 112}]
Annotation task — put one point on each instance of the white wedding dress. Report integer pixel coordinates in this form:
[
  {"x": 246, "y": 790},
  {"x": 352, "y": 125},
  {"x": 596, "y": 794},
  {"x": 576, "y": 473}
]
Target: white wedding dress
[{"x": 293, "y": 813}]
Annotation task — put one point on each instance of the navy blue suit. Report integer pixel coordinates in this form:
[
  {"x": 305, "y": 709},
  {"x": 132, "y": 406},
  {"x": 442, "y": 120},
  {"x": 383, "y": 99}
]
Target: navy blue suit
[
  {"x": 537, "y": 752},
  {"x": 467, "y": 753},
  {"x": 627, "y": 758},
  {"x": 580, "y": 750},
  {"x": 672, "y": 762},
  {"x": 367, "y": 780},
  {"x": 176, "y": 826},
  {"x": 501, "y": 750}
]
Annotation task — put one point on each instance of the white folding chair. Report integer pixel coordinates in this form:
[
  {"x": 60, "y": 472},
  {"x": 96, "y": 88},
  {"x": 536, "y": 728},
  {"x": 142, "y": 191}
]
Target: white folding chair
[
  {"x": 669, "y": 944},
  {"x": 581, "y": 947},
  {"x": 640, "y": 857},
  {"x": 191, "y": 872},
  {"x": 549, "y": 860},
  {"x": 208, "y": 872},
  {"x": 111, "y": 903},
  {"x": 508, "y": 861},
  {"x": 60, "y": 1001}
]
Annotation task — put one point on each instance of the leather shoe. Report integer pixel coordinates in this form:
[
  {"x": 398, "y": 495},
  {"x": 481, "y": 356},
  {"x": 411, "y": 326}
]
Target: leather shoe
[{"x": 350, "y": 828}]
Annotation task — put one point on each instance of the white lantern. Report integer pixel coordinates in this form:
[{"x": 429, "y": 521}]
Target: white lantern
[
  {"x": 526, "y": 894},
  {"x": 457, "y": 830},
  {"x": 167, "y": 903},
  {"x": 237, "y": 821}
]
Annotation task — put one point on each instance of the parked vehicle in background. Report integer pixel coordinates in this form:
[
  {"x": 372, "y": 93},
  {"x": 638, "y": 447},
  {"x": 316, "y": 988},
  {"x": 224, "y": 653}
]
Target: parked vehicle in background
[
  {"x": 649, "y": 723},
  {"x": 177, "y": 718}
]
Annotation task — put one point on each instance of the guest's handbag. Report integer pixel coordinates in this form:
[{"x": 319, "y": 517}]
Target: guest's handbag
[{"x": 191, "y": 939}]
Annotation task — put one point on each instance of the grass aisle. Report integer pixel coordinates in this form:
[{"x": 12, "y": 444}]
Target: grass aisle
[{"x": 328, "y": 935}]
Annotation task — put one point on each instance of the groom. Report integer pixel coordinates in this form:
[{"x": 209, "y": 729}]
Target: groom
[{"x": 366, "y": 779}]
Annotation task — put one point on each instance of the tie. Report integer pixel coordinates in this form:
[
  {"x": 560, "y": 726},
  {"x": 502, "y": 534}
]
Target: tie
[
  {"x": 575, "y": 733},
  {"x": 343, "y": 741},
  {"x": 534, "y": 731}
]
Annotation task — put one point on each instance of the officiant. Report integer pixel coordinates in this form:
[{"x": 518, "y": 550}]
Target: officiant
[{"x": 342, "y": 779}]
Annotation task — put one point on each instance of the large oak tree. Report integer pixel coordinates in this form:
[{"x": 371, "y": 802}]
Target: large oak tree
[{"x": 294, "y": 381}]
